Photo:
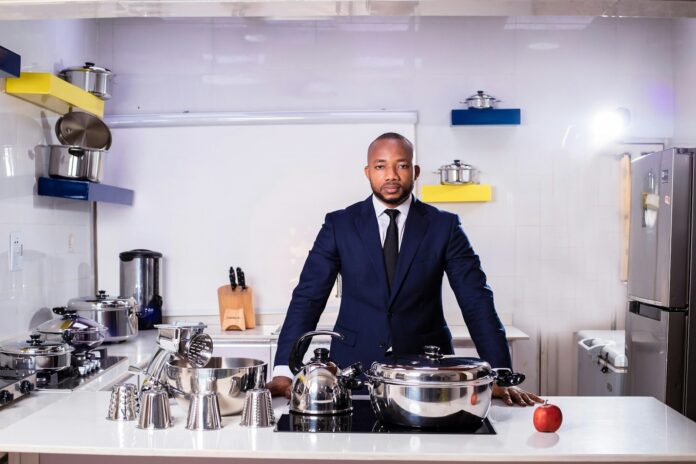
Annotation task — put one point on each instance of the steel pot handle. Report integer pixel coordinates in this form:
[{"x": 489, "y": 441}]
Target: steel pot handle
[
  {"x": 506, "y": 378},
  {"x": 295, "y": 362},
  {"x": 76, "y": 151}
]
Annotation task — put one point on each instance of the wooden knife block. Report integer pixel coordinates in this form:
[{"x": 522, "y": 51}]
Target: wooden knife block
[{"x": 236, "y": 308}]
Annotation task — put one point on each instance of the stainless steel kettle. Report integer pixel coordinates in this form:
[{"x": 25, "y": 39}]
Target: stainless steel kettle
[{"x": 320, "y": 387}]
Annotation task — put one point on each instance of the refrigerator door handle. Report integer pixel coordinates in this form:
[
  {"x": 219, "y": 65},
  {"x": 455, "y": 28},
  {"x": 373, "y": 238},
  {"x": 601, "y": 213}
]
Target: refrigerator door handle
[{"x": 650, "y": 312}]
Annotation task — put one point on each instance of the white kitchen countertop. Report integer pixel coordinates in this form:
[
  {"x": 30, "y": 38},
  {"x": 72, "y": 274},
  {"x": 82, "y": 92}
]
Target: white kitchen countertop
[
  {"x": 607, "y": 429},
  {"x": 594, "y": 429},
  {"x": 140, "y": 348}
]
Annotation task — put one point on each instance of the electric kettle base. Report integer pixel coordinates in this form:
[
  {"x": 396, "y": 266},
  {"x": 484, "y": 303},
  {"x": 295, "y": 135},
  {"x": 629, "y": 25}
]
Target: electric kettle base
[{"x": 363, "y": 420}]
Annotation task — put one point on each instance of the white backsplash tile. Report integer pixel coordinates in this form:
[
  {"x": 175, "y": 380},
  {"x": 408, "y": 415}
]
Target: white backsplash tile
[{"x": 50, "y": 273}]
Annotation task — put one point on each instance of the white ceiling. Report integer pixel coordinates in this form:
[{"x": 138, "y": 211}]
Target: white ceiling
[{"x": 309, "y": 9}]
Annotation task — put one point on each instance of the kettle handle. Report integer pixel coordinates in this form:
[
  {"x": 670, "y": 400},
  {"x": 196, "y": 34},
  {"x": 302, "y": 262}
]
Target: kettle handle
[{"x": 295, "y": 362}]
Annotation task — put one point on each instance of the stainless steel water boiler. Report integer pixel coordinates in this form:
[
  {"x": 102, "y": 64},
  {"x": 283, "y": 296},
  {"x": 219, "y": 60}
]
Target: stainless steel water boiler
[{"x": 140, "y": 279}]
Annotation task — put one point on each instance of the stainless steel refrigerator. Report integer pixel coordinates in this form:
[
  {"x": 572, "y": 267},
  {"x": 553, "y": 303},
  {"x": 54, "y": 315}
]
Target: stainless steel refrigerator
[{"x": 660, "y": 322}]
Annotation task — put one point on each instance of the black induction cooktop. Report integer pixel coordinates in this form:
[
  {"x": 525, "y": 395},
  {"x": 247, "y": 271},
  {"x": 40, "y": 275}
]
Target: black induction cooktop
[{"x": 363, "y": 420}]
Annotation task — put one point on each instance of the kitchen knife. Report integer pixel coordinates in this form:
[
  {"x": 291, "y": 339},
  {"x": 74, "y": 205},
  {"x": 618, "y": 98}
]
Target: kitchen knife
[
  {"x": 233, "y": 280},
  {"x": 240, "y": 278}
]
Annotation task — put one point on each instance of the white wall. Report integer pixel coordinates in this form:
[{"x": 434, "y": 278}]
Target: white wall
[
  {"x": 684, "y": 39},
  {"x": 57, "y": 262},
  {"x": 549, "y": 241}
]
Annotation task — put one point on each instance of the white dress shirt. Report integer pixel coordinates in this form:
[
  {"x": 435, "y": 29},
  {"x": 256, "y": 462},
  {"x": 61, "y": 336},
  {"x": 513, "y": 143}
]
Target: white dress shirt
[
  {"x": 383, "y": 223},
  {"x": 383, "y": 219}
]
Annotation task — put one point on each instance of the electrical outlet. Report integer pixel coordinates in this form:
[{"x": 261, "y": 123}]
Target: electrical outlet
[{"x": 16, "y": 251}]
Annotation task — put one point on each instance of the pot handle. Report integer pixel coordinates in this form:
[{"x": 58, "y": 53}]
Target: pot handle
[
  {"x": 60, "y": 310},
  {"x": 295, "y": 362},
  {"x": 76, "y": 151},
  {"x": 506, "y": 378}
]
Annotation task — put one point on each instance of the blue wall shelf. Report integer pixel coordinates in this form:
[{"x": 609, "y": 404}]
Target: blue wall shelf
[
  {"x": 486, "y": 117},
  {"x": 83, "y": 190},
  {"x": 10, "y": 63}
]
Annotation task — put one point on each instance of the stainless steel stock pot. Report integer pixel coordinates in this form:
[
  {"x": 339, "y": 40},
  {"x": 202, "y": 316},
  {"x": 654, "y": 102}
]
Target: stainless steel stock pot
[{"x": 434, "y": 391}]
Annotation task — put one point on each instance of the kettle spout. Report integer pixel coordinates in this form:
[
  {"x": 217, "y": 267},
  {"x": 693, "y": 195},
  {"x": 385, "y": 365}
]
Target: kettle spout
[{"x": 348, "y": 376}]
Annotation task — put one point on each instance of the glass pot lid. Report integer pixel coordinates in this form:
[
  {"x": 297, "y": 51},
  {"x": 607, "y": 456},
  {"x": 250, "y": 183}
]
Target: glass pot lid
[
  {"x": 432, "y": 367},
  {"x": 35, "y": 346}
]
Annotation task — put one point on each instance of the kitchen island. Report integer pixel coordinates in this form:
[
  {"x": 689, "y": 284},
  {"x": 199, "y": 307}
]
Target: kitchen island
[
  {"x": 70, "y": 427},
  {"x": 599, "y": 429}
]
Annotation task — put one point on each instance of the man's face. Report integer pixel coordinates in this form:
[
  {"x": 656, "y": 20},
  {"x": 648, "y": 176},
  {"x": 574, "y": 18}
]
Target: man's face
[{"x": 391, "y": 171}]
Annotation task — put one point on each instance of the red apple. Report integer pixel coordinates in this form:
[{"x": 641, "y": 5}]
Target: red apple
[{"x": 547, "y": 417}]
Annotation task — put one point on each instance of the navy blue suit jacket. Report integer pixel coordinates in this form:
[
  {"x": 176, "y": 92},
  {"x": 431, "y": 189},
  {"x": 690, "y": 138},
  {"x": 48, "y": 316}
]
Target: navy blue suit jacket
[{"x": 410, "y": 316}]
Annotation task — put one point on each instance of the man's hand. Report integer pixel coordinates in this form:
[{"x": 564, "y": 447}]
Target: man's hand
[
  {"x": 515, "y": 395},
  {"x": 280, "y": 386}
]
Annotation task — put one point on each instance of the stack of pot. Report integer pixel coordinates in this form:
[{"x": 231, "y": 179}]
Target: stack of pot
[{"x": 84, "y": 137}]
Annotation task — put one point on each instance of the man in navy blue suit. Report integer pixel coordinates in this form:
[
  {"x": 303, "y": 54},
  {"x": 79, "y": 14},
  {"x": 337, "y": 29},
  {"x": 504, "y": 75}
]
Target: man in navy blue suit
[{"x": 392, "y": 252}]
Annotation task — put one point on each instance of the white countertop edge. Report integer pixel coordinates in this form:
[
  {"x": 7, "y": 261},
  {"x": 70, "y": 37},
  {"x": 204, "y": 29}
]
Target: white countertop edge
[{"x": 366, "y": 456}]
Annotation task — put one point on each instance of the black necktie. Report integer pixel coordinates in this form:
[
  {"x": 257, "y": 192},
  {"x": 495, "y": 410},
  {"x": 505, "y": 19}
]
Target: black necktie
[{"x": 391, "y": 245}]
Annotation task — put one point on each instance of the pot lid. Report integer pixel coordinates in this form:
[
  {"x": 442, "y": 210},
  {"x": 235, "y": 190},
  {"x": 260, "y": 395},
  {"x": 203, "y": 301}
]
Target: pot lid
[
  {"x": 81, "y": 129},
  {"x": 36, "y": 346},
  {"x": 431, "y": 367},
  {"x": 88, "y": 66},
  {"x": 481, "y": 96},
  {"x": 69, "y": 322},
  {"x": 101, "y": 302},
  {"x": 456, "y": 165},
  {"x": 139, "y": 253}
]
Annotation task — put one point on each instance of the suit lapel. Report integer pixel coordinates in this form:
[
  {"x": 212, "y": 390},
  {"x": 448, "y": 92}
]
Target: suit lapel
[
  {"x": 414, "y": 231},
  {"x": 368, "y": 230}
]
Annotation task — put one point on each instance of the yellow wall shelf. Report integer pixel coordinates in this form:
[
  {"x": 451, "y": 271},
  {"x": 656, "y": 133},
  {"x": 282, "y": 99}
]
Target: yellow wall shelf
[
  {"x": 456, "y": 193},
  {"x": 53, "y": 93}
]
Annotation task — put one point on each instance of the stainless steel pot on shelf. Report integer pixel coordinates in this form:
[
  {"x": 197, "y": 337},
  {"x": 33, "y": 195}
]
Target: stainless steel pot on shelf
[
  {"x": 94, "y": 79},
  {"x": 116, "y": 314},
  {"x": 76, "y": 163},
  {"x": 434, "y": 391},
  {"x": 456, "y": 173},
  {"x": 481, "y": 101}
]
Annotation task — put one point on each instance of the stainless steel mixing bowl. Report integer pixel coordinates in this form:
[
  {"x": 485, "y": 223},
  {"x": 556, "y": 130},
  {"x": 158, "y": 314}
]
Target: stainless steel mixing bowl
[{"x": 230, "y": 378}]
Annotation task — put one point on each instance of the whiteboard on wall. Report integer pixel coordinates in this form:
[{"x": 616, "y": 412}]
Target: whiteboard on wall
[{"x": 246, "y": 195}]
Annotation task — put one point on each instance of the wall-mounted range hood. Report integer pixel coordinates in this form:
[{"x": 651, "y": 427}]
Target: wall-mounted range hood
[{"x": 313, "y": 9}]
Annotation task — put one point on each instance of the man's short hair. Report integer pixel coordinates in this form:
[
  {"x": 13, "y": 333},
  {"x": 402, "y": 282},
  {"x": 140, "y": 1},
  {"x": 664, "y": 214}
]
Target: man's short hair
[{"x": 406, "y": 143}]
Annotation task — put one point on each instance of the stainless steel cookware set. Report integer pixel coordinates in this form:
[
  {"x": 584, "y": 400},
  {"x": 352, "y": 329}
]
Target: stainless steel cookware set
[
  {"x": 425, "y": 391},
  {"x": 206, "y": 387},
  {"x": 85, "y": 138}
]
